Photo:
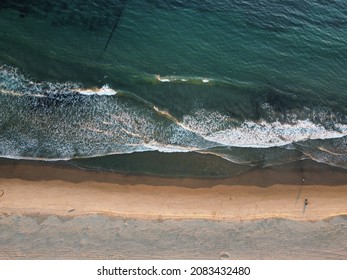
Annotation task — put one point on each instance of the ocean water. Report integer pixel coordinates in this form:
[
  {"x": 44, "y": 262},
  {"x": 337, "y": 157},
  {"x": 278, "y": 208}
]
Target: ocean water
[{"x": 205, "y": 85}]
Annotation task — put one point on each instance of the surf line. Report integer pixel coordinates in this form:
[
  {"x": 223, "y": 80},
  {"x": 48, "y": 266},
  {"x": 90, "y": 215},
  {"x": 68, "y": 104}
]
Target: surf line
[{"x": 114, "y": 27}]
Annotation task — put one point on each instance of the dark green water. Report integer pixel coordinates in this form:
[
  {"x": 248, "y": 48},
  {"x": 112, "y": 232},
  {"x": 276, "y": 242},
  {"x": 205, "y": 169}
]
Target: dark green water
[{"x": 255, "y": 83}]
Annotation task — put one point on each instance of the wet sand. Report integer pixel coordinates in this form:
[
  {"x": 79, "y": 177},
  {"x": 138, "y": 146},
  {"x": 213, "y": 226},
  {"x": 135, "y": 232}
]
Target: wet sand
[
  {"x": 58, "y": 190},
  {"x": 193, "y": 207}
]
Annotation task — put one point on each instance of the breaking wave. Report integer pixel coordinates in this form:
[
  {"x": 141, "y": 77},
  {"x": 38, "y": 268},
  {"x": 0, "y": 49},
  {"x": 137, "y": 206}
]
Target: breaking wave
[{"x": 61, "y": 121}]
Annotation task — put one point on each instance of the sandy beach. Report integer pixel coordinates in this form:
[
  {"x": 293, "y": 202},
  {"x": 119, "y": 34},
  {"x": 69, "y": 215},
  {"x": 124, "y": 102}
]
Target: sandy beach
[
  {"x": 220, "y": 202},
  {"x": 56, "y": 212},
  {"x": 73, "y": 192}
]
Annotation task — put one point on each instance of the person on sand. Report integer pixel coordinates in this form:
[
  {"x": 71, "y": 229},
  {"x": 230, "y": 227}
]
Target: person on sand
[{"x": 305, "y": 205}]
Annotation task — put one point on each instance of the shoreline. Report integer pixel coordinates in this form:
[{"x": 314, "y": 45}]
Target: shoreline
[
  {"x": 304, "y": 172},
  {"x": 75, "y": 214},
  {"x": 72, "y": 192}
]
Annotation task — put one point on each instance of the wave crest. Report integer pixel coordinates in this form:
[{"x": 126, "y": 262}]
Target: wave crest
[{"x": 54, "y": 121}]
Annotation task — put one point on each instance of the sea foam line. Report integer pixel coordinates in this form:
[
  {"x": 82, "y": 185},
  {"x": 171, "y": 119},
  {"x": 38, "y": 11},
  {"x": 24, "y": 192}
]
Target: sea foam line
[
  {"x": 218, "y": 128},
  {"x": 105, "y": 90},
  {"x": 168, "y": 79}
]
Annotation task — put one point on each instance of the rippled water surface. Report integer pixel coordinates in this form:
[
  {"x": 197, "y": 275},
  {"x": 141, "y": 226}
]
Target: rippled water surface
[{"x": 248, "y": 83}]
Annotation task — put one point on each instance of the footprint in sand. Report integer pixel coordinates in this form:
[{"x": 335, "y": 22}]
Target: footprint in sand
[{"x": 224, "y": 256}]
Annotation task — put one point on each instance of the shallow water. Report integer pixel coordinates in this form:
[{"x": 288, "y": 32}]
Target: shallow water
[{"x": 256, "y": 84}]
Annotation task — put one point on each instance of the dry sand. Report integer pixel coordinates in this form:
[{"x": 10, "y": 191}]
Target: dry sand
[
  {"x": 50, "y": 212},
  {"x": 220, "y": 202}
]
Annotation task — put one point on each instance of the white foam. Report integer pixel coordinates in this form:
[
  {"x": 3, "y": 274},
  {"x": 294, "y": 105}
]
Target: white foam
[
  {"x": 165, "y": 113},
  {"x": 167, "y": 148},
  {"x": 262, "y": 135},
  {"x": 118, "y": 127},
  {"x": 17, "y": 93},
  {"x": 168, "y": 79},
  {"x": 35, "y": 158},
  {"x": 220, "y": 129},
  {"x": 164, "y": 80},
  {"x": 105, "y": 90}
]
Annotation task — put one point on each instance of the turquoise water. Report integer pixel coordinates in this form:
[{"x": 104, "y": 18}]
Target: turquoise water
[{"x": 255, "y": 83}]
